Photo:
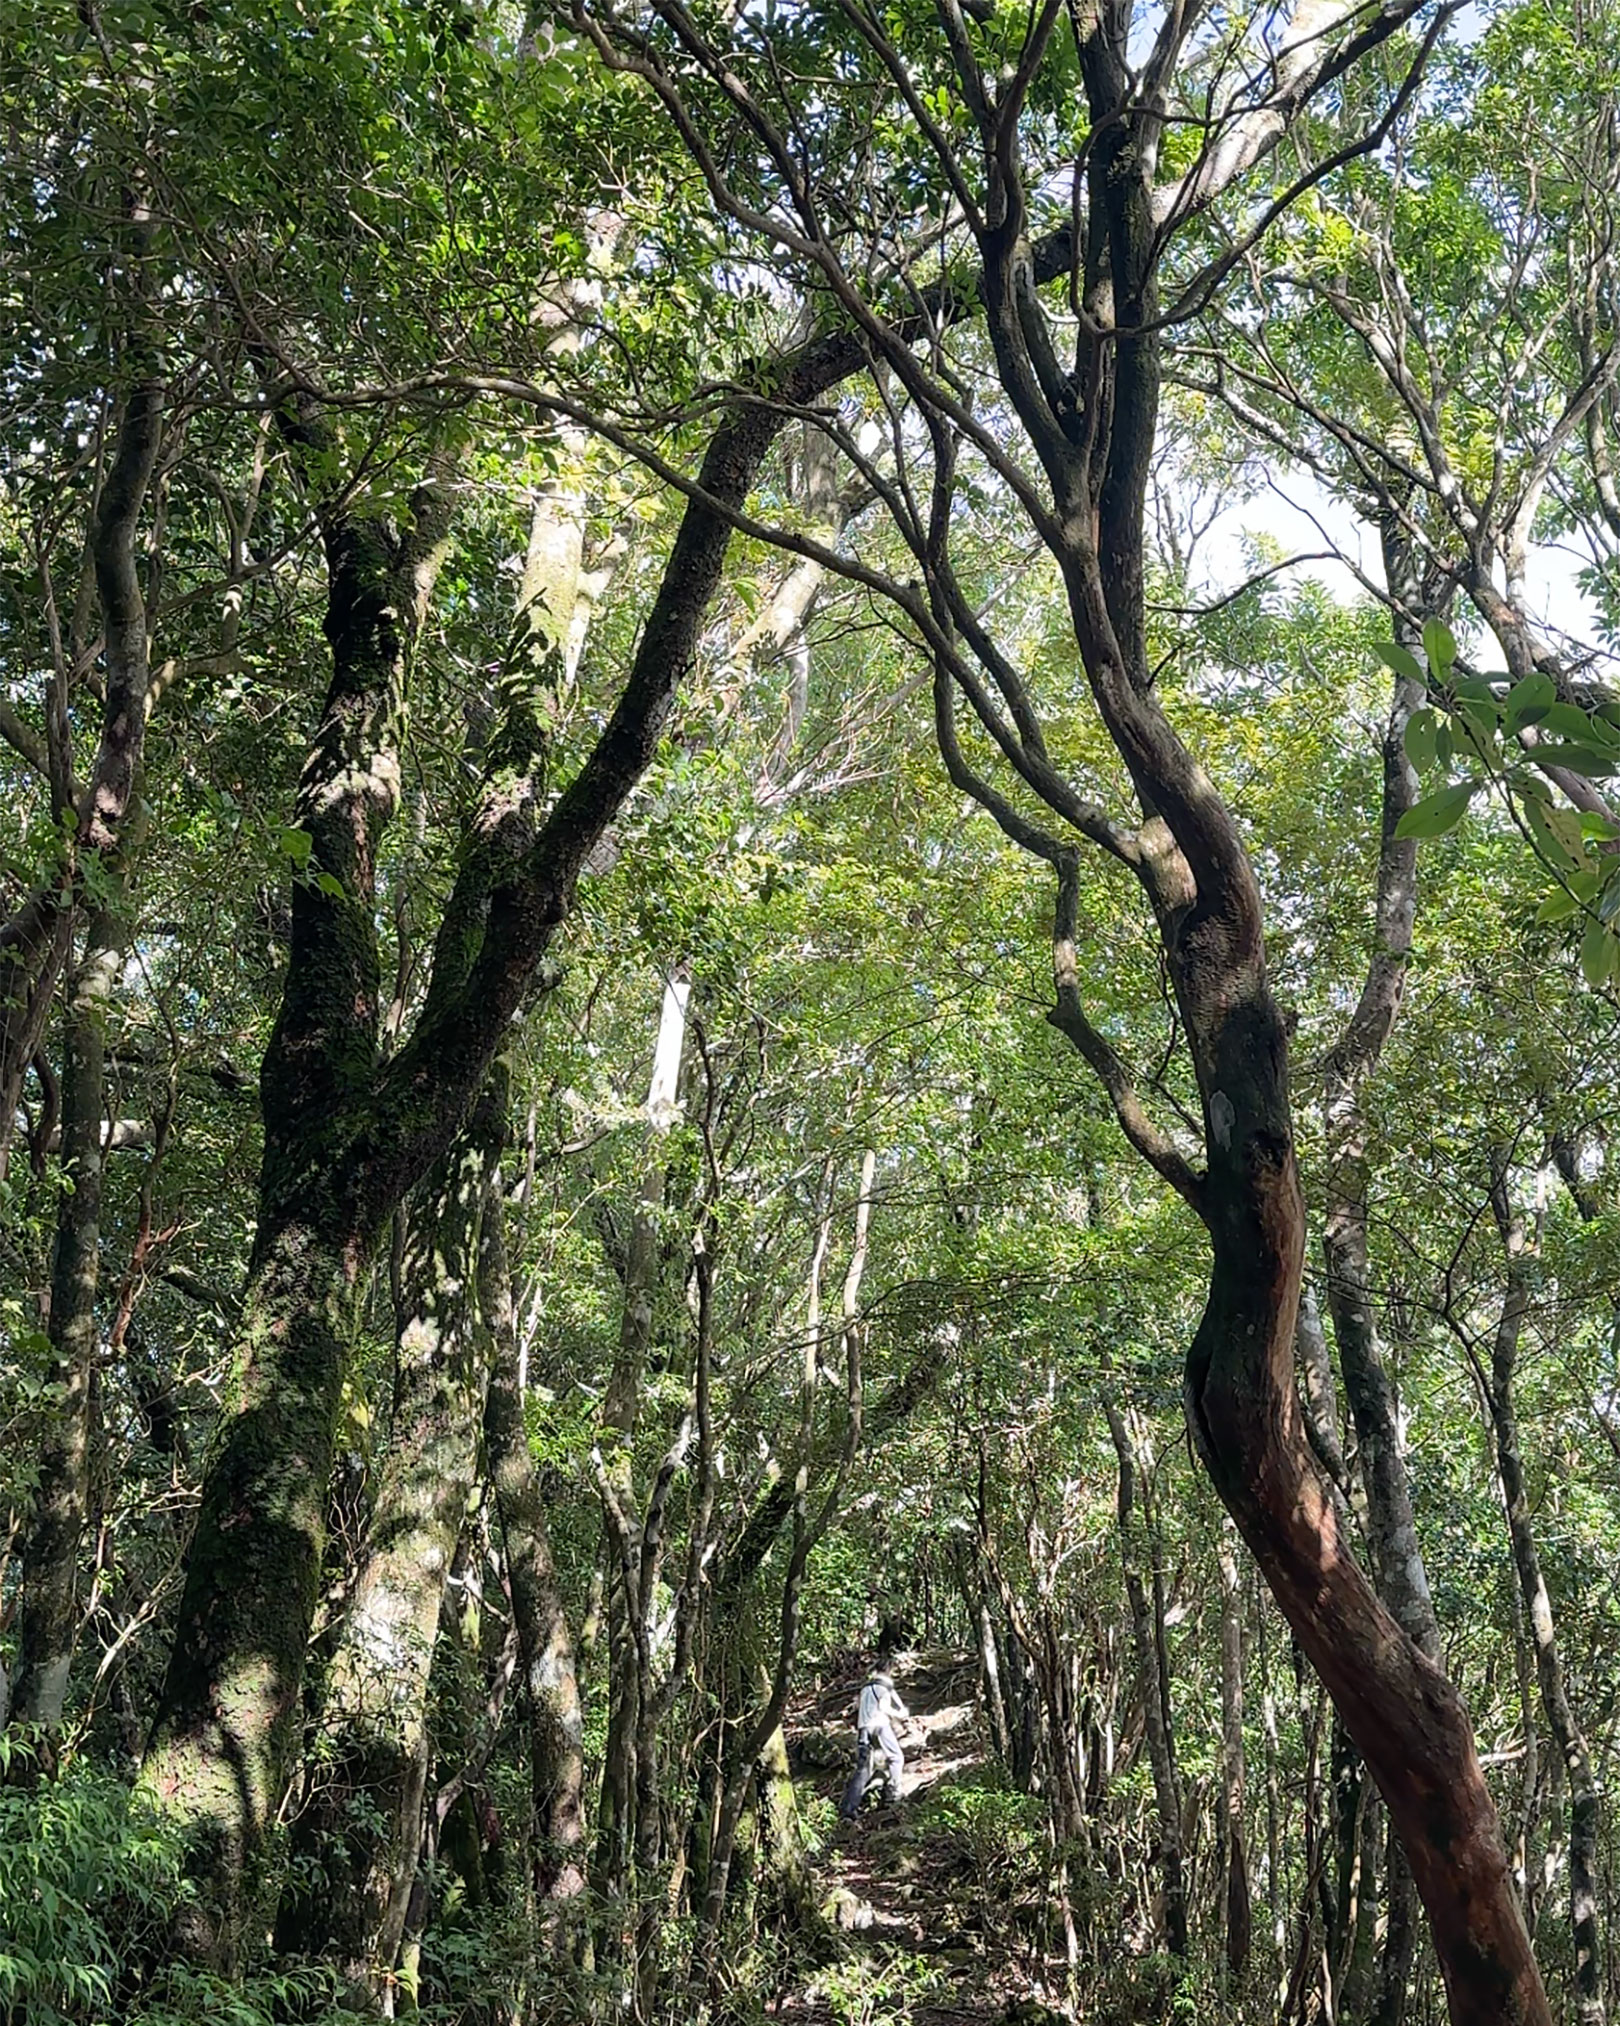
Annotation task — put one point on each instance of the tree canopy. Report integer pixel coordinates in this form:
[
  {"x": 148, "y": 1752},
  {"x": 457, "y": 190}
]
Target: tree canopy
[{"x": 715, "y": 971}]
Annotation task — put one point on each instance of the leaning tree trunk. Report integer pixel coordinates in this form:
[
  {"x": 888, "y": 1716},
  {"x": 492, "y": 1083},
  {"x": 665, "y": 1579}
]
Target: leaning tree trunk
[
  {"x": 1561, "y": 1718},
  {"x": 1093, "y": 432}
]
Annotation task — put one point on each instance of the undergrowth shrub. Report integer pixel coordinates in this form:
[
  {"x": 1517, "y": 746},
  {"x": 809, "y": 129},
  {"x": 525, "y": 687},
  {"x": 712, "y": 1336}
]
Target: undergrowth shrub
[{"x": 89, "y": 1881}]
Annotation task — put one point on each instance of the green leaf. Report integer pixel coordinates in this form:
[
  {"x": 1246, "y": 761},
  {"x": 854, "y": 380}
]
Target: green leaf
[
  {"x": 1419, "y": 741},
  {"x": 1399, "y": 659},
  {"x": 1477, "y": 721},
  {"x": 1597, "y": 952},
  {"x": 1558, "y": 906},
  {"x": 1444, "y": 744},
  {"x": 1570, "y": 723},
  {"x": 1436, "y": 814},
  {"x": 330, "y": 885},
  {"x": 1579, "y": 760},
  {"x": 1439, "y": 646},
  {"x": 1558, "y": 831},
  {"x": 296, "y": 845},
  {"x": 1530, "y": 699}
]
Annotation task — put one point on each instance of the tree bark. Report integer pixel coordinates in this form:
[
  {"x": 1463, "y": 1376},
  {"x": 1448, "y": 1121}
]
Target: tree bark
[
  {"x": 360, "y": 1830},
  {"x": 784, "y": 1854},
  {"x": 50, "y": 1559}
]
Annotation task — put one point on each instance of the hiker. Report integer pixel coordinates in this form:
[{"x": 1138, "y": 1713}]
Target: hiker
[{"x": 880, "y": 1709}]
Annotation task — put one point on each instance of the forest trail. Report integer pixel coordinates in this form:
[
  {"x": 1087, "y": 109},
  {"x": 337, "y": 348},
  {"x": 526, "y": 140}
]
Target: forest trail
[{"x": 929, "y": 1940}]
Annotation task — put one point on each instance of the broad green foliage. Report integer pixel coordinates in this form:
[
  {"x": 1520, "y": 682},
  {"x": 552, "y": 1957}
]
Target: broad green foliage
[
  {"x": 1516, "y": 738},
  {"x": 87, "y": 1885}
]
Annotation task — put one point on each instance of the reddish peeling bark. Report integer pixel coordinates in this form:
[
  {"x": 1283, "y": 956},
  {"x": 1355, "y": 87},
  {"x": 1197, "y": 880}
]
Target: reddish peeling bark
[{"x": 1405, "y": 1717}]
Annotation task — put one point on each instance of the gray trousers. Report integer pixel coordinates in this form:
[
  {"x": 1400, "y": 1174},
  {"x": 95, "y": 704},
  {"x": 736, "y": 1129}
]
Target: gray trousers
[{"x": 876, "y": 1743}]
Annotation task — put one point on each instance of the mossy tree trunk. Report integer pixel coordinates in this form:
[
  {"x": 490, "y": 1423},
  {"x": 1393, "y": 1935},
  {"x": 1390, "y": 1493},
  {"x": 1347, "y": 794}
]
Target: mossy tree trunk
[
  {"x": 348, "y": 1135},
  {"x": 360, "y": 1830}
]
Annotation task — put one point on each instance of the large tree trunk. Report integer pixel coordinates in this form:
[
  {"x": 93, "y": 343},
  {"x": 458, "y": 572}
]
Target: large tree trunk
[
  {"x": 220, "y": 1751},
  {"x": 1405, "y": 1716},
  {"x": 376, "y": 1749},
  {"x": 1242, "y": 1404},
  {"x": 360, "y": 1829},
  {"x": 1555, "y": 1703},
  {"x": 347, "y": 1136}
]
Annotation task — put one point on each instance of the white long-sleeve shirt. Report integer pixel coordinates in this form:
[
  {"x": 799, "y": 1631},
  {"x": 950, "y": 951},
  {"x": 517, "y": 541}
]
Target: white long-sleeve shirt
[{"x": 880, "y": 1705}]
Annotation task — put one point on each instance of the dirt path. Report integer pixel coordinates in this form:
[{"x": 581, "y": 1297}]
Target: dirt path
[{"x": 900, "y": 1883}]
